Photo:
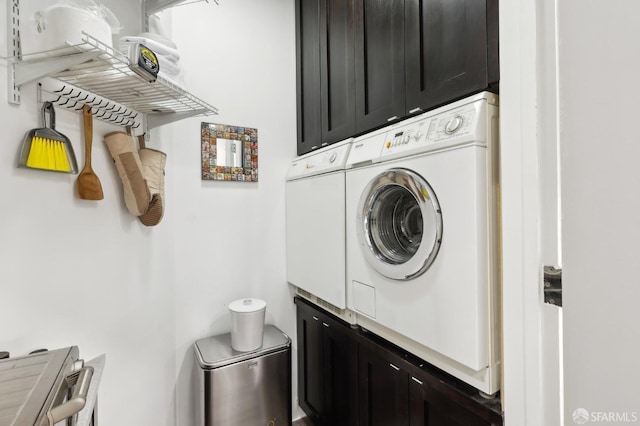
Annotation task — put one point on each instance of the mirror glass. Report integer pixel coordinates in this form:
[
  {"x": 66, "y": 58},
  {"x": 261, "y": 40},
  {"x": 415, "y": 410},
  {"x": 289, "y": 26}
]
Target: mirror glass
[{"x": 229, "y": 152}]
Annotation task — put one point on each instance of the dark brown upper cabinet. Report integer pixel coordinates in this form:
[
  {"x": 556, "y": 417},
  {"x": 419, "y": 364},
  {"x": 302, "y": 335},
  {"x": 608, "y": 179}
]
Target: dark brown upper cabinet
[
  {"x": 365, "y": 63},
  {"x": 450, "y": 50},
  {"x": 325, "y": 72},
  {"x": 308, "y": 74},
  {"x": 379, "y": 52}
]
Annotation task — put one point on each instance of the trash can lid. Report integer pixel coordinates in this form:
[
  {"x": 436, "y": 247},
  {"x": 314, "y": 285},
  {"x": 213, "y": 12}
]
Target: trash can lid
[
  {"x": 247, "y": 305},
  {"x": 216, "y": 351}
]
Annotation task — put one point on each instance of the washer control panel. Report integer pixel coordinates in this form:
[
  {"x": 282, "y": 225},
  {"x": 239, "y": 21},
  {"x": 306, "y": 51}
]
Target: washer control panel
[
  {"x": 450, "y": 125},
  {"x": 433, "y": 130}
]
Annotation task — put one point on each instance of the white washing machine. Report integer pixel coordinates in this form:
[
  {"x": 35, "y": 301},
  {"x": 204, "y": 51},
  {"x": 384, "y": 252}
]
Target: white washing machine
[
  {"x": 315, "y": 226},
  {"x": 422, "y": 237}
]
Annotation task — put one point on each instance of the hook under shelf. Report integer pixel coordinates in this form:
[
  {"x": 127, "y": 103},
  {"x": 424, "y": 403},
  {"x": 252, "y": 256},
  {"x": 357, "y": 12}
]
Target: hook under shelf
[{"x": 67, "y": 96}]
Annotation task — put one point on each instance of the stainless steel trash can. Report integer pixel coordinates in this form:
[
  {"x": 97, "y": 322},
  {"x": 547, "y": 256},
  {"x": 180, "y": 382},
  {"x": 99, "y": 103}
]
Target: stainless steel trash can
[{"x": 244, "y": 388}]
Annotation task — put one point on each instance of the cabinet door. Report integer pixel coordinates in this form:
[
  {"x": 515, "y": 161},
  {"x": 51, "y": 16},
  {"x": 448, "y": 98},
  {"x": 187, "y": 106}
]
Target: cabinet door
[
  {"x": 340, "y": 352},
  {"x": 446, "y": 48},
  {"x": 327, "y": 368},
  {"x": 379, "y": 43},
  {"x": 337, "y": 70},
  {"x": 309, "y": 117},
  {"x": 430, "y": 408},
  {"x": 383, "y": 389},
  {"x": 311, "y": 366}
]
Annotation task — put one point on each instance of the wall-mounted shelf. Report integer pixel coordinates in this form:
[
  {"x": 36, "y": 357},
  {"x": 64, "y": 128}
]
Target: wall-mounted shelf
[
  {"x": 98, "y": 69},
  {"x": 95, "y": 73}
]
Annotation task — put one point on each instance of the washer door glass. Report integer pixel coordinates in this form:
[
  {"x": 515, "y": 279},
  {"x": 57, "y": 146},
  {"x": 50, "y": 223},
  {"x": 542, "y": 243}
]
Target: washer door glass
[{"x": 399, "y": 224}]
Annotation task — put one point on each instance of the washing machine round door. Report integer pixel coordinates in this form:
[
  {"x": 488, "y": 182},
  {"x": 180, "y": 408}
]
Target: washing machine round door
[{"x": 399, "y": 224}]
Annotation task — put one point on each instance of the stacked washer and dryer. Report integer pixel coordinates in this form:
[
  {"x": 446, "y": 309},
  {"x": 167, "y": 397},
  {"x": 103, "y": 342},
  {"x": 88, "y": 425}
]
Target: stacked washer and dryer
[{"x": 421, "y": 229}]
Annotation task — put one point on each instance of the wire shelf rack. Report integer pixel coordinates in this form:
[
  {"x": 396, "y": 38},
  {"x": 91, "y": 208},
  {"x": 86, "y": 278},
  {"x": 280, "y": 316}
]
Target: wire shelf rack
[{"x": 100, "y": 70}]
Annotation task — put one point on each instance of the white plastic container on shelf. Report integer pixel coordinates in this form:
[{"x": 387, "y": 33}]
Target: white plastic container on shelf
[
  {"x": 63, "y": 23},
  {"x": 247, "y": 324}
]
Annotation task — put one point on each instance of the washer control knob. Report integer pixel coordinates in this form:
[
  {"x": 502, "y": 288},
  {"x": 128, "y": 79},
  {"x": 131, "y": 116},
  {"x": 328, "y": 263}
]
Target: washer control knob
[
  {"x": 453, "y": 125},
  {"x": 333, "y": 157}
]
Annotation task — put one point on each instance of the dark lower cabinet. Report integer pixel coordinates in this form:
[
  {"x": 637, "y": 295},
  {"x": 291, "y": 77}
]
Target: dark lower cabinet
[
  {"x": 340, "y": 371},
  {"x": 327, "y": 370},
  {"x": 311, "y": 365},
  {"x": 392, "y": 392},
  {"x": 428, "y": 407},
  {"x": 349, "y": 377},
  {"x": 382, "y": 388}
]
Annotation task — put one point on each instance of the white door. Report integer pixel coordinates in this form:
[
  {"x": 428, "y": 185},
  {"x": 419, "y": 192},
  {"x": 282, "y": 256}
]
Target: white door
[{"x": 599, "y": 98}]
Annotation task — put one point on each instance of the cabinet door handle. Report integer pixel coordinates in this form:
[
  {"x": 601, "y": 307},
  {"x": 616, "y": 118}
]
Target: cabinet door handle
[
  {"x": 414, "y": 110},
  {"x": 416, "y": 380},
  {"x": 395, "y": 117},
  {"x": 315, "y": 318},
  {"x": 325, "y": 324},
  {"x": 394, "y": 367}
]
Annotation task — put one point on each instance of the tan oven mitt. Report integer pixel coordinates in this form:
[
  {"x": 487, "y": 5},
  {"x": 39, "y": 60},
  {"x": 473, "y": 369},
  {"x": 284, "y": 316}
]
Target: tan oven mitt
[
  {"x": 153, "y": 164},
  {"x": 123, "y": 149}
]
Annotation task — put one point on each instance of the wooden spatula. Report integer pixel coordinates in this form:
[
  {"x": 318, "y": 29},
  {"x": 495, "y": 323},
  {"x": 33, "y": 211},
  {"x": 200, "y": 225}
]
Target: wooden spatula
[{"x": 89, "y": 187}]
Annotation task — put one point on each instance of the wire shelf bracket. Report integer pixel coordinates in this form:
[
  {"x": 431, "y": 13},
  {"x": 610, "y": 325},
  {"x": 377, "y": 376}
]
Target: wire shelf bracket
[
  {"x": 13, "y": 48},
  {"x": 27, "y": 72}
]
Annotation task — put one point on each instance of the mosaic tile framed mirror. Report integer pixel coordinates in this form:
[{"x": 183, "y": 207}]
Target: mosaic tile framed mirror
[{"x": 229, "y": 153}]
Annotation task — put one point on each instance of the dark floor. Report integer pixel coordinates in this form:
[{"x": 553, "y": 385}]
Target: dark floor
[{"x": 302, "y": 422}]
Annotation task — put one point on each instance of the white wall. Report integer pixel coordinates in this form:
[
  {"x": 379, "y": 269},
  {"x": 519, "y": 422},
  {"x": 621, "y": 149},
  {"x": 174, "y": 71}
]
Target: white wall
[
  {"x": 87, "y": 273},
  {"x": 230, "y": 236},
  {"x": 598, "y": 74}
]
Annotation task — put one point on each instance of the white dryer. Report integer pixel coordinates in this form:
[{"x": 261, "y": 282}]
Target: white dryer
[
  {"x": 422, "y": 237},
  {"x": 315, "y": 226}
]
